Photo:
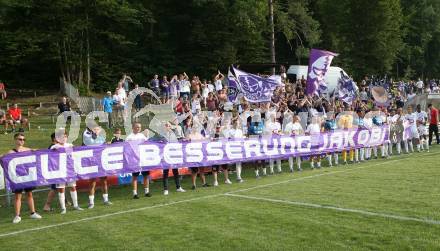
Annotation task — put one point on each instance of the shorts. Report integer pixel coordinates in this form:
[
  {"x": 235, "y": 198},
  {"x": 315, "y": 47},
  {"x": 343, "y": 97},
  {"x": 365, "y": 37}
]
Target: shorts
[
  {"x": 144, "y": 173},
  {"x": 422, "y": 130},
  {"x": 27, "y": 189},
  {"x": 219, "y": 167},
  {"x": 194, "y": 169},
  {"x": 53, "y": 186},
  {"x": 64, "y": 185},
  {"x": 413, "y": 133}
]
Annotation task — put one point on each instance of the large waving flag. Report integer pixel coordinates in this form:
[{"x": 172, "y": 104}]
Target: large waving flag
[
  {"x": 254, "y": 88},
  {"x": 319, "y": 63},
  {"x": 347, "y": 88}
]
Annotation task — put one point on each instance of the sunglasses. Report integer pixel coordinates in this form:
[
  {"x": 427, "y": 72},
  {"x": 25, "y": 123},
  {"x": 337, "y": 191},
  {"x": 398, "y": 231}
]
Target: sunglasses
[{"x": 21, "y": 139}]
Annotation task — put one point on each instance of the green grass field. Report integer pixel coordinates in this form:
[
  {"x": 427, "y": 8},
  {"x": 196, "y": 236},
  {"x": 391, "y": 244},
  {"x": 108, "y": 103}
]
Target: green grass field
[{"x": 378, "y": 205}]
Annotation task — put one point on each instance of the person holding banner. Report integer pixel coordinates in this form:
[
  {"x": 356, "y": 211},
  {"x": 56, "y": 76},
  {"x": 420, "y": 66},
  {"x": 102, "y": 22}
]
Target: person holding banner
[
  {"x": 273, "y": 128},
  {"x": 329, "y": 127},
  {"x": 399, "y": 129},
  {"x": 193, "y": 134},
  {"x": 93, "y": 137},
  {"x": 19, "y": 147},
  {"x": 314, "y": 129},
  {"x": 256, "y": 129},
  {"x": 294, "y": 128},
  {"x": 236, "y": 133},
  {"x": 171, "y": 136},
  {"x": 61, "y": 138},
  {"x": 216, "y": 168},
  {"x": 138, "y": 135}
]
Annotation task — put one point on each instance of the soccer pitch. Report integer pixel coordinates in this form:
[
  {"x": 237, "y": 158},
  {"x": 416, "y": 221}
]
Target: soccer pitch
[{"x": 380, "y": 204}]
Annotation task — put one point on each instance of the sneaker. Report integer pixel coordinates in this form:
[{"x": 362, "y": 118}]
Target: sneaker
[
  {"x": 257, "y": 176},
  {"x": 165, "y": 192},
  {"x": 147, "y": 195},
  {"x": 91, "y": 206},
  {"x": 63, "y": 211},
  {"x": 193, "y": 187},
  {"x": 291, "y": 170},
  {"x": 216, "y": 183},
  {"x": 78, "y": 208},
  {"x": 16, "y": 219},
  {"x": 180, "y": 190},
  {"x": 36, "y": 216},
  {"x": 228, "y": 182},
  {"x": 300, "y": 169},
  {"x": 241, "y": 180},
  {"x": 206, "y": 185},
  {"x": 135, "y": 197},
  {"x": 107, "y": 203}
]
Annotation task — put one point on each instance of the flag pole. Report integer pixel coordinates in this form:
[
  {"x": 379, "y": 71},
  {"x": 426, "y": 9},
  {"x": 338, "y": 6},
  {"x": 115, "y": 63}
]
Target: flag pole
[{"x": 272, "y": 36}]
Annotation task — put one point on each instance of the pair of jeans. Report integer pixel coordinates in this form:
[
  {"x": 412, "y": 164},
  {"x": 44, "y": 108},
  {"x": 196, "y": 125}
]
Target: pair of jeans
[
  {"x": 433, "y": 129},
  {"x": 165, "y": 178}
]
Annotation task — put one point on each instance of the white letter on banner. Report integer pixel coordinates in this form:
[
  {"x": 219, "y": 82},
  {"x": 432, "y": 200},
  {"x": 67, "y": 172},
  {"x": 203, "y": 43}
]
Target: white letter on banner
[
  {"x": 77, "y": 162},
  {"x": 172, "y": 153},
  {"x": 376, "y": 136},
  {"x": 214, "y": 151},
  {"x": 324, "y": 137},
  {"x": 116, "y": 155},
  {"x": 284, "y": 141},
  {"x": 12, "y": 169},
  {"x": 194, "y": 152},
  {"x": 274, "y": 150},
  {"x": 54, "y": 174},
  {"x": 149, "y": 155},
  {"x": 336, "y": 140},
  {"x": 234, "y": 149},
  {"x": 252, "y": 146},
  {"x": 363, "y": 137},
  {"x": 300, "y": 141},
  {"x": 349, "y": 138}
]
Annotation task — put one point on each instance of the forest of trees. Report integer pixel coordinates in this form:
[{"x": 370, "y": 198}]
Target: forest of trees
[{"x": 91, "y": 43}]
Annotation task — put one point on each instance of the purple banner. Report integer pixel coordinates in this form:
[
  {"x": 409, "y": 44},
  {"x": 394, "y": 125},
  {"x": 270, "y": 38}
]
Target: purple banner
[
  {"x": 232, "y": 86},
  {"x": 319, "y": 63},
  {"x": 45, "y": 167}
]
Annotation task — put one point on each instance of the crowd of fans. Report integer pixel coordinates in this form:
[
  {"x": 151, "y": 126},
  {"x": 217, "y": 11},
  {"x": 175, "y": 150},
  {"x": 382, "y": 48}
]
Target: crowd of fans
[{"x": 203, "y": 111}]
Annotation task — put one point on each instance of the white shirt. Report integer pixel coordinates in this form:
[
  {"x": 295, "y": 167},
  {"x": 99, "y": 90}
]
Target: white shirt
[
  {"x": 235, "y": 133},
  {"x": 58, "y": 146},
  {"x": 293, "y": 128},
  {"x": 184, "y": 86},
  {"x": 411, "y": 119},
  {"x": 195, "y": 104},
  {"x": 136, "y": 136},
  {"x": 218, "y": 85},
  {"x": 422, "y": 117},
  {"x": 313, "y": 128},
  {"x": 210, "y": 87},
  {"x": 272, "y": 127},
  {"x": 420, "y": 84}
]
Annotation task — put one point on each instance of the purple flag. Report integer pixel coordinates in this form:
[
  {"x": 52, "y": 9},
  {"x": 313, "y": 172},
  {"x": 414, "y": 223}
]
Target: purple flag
[
  {"x": 347, "y": 89},
  {"x": 319, "y": 64},
  {"x": 255, "y": 88}
]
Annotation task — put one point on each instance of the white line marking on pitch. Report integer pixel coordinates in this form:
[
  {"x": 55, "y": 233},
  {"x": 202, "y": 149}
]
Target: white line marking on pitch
[
  {"x": 189, "y": 200},
  {"x": 358, "y": 211}
]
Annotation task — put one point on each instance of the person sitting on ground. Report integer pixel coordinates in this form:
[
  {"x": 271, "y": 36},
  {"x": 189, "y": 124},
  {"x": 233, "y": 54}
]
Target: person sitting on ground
[
  {"x": 4, "y": 120},
  {"x": 15, "y": 115},
  {"x": 19, "y": 147}
]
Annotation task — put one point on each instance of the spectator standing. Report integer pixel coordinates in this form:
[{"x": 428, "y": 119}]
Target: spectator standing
[
  {"x": 420, "y": 86},
  {"x": 184, "y": 85},
  {"x": 19, "y": 147},
  {"x": 107, "y": 104},
  {"x": 433, "y": 123}
]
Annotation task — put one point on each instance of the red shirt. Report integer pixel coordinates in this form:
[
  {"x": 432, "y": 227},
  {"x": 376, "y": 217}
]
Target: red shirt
[
  {"x": 434, "y": 116},
  {"x": 15, "y": 113}
]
